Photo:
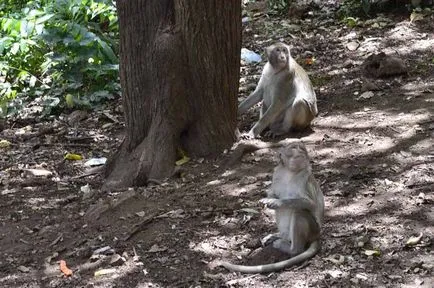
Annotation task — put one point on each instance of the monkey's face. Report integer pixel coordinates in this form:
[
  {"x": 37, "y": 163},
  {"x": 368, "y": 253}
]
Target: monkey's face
[
  {"x": 294, "y": 158},
  {"x": 278, "y": 55}
]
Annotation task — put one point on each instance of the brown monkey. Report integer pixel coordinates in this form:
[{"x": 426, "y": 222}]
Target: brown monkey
[
  {"x": 299, "y": 205},
  {"x": 288, "y": 98}
]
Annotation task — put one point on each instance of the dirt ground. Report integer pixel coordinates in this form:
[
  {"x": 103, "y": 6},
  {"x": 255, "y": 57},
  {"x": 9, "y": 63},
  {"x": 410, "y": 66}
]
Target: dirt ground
[{"x": 372, "y": 154}]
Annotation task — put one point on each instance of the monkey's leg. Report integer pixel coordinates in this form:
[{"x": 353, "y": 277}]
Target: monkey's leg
[
  {"x": 269, "y": 117},
  {"x": 264, "y": 108},
  {"x": 284, "y": 125},
  {"x": 283, "y": 245},
  {"x": 269, "y": 239},
  {"x": 301, "y": 116},
  {"x": 253, "y": 98},
  {"x": 304, "y": 230}
]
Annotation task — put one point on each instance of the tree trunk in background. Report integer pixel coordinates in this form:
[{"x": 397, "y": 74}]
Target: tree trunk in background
[{"x": 179, "y": 69}]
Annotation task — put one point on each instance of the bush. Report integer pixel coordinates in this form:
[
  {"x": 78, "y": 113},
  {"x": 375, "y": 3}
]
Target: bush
[{"x": 51, "y": 48}]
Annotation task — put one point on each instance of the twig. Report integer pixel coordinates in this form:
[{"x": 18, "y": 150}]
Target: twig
[
  {"x": 154, "y": 181},
  {"x": 41, "y": 132},
  {"x": 142, "y": 224},
  {"x": 235, "y": 281},
  {"x": 90, "y": 172}
]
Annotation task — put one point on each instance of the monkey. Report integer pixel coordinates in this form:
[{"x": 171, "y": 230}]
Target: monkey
[
  {"x": 288, "y": 97},
  {"x": 298, "y": 202}
]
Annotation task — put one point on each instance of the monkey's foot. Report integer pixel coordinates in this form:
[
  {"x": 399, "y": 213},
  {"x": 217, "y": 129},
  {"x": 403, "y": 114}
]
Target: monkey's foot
[
  {"x": 269, "y": 239},
  {"x": 247, "y": 136},
  {"x": 283, "y": 246},
  {"x": 271, "y": 203},
  {"x": 275, "y": 133}
]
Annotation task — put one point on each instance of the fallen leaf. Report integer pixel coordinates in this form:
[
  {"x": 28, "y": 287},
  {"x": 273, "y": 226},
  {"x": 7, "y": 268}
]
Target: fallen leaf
[
  {"x": 414, "y": 240},
  {"x": 415, "y": 17},
  {"x": 338, "y": 261},
  {"x": 23, "y": 269},
  {"x": 4, "y": 144},
  {"x": 155, "y": 248},
  {"x": 69, "y": 99},
  {"x": 182, "y": 161},
  {"x": 70, "y": 156},
  {"x": 38, "y": 172},
  {"x": 310, "y": 61},
  {"x": 366, "y": 95},
  {"x": 104, "y": 272},
  {"x": 65, "y": 270},
  {"x": 249, "y": 210},
  {"x": 372, "y": 252},
  {"x": 140, "y": 213},
  {"x": 96, "y": 161}
]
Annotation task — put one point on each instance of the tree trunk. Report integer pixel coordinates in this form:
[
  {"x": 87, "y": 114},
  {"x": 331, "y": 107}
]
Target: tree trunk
[{"x": 179, "y": 70}]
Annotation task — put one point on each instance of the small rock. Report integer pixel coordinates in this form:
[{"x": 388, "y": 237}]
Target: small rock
[
  {"x": 293, "y": 27},
  {"x": 366, "y": 95},
  {"x": 334, "y": 273},
  {"x": 117, "y": 260},
  {"x": 140, "y": 213},
  {"x": 76, "y": 116},
  {"x": 155, "y": 248},
  {"x": 245, "y": 20},
  {"x": 352, "y": 46},
  {"x": 23, "y": 269},
  {"x": 248, "y": 180},
  {"x": 348, "y": 63},
  {"x": 369, "y": 86},
  {"x": 394, "y": 277}
]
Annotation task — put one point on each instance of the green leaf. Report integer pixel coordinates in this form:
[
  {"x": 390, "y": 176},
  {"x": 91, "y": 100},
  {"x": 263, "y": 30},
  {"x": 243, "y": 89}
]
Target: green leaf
[
  {"x": 108, "y": 51},
  {"x": 15, "y": 48},
  {"x": 44, "y": 18}
]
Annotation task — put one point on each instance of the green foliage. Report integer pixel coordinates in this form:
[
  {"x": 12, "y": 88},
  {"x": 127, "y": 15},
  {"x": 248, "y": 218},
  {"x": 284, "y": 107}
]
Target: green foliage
[
  {"x": 364, "y": 8},
  {"x": 278, "y": 6},
  {"x": 50, "y": 48},
  {"x": 355, "y": 8}
]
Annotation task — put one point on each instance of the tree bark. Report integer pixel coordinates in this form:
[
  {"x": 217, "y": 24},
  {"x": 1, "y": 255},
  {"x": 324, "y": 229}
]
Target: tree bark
[{"x": 179, "y": 70}]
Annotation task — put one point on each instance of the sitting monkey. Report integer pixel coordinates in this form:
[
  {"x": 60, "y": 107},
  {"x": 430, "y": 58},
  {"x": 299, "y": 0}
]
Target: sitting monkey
[
  {"x": 299, "y": 205},
  {"x": 288, "y": 98}
]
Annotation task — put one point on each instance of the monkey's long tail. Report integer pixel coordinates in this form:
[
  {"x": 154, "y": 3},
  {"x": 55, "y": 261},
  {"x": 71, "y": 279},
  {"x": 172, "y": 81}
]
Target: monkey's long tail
[{"x": 273, "y": 267}]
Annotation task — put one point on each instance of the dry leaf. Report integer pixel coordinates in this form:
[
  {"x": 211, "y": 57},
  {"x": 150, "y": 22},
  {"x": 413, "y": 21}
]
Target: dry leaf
[
  {"x": 372, "y": 252},
  {"x": 414, "y": 240}
]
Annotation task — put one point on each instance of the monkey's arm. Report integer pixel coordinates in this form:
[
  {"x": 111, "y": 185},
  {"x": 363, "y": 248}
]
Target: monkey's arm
[
  {"x": 275, "y": 109},
  {"x": 292, "y": 203},
  {"x": 253, "y": 98}
]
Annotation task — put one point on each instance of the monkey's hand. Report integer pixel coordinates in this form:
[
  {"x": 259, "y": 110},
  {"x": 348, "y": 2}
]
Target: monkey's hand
[
  {"x": 271, "y": 203},
  {"x": 248, "y": 136},
  {"x": 274, "y": 133},
  {"x": 269, "y": 239}
]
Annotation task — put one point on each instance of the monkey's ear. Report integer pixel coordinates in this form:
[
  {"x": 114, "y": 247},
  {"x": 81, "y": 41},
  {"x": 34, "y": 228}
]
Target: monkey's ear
[
  {"x": 288, "y": 47},
  {"x": 269, "y": 49},
  {"x": 281, "y": 155}
]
